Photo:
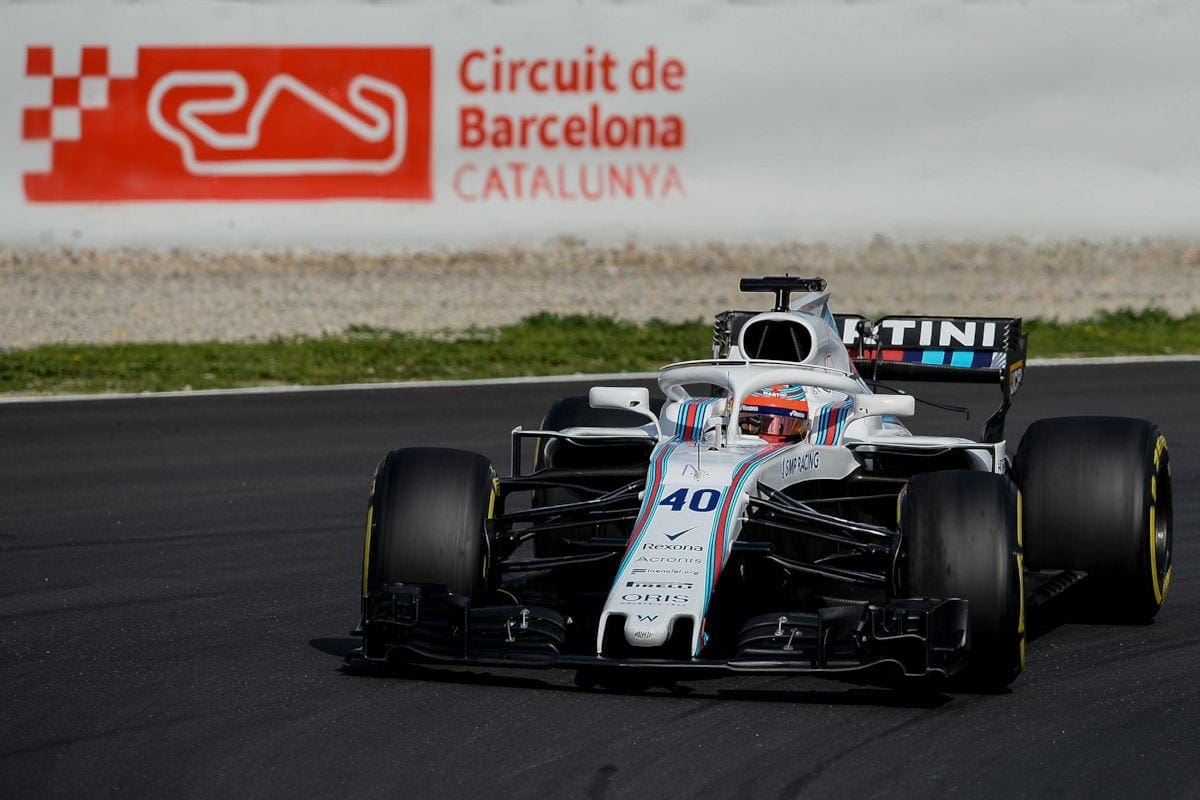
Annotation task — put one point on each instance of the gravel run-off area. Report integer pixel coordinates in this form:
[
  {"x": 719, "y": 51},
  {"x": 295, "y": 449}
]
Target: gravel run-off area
[{"x": 94, "y": 296}]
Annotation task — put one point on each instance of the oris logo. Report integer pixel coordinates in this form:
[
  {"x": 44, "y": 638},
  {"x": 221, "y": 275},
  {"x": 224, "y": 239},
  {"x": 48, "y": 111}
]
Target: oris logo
[{"x": 664, "y": 599}]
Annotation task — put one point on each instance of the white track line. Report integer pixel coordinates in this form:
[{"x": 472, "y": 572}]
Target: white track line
[
  {"x": 1100, "y": 361},
  {"x": 609, "y": 376},
  {"x": 341, "y": 387}
]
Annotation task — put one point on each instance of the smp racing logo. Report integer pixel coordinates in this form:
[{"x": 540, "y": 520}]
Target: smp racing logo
[{"x": 228, "y": 123}]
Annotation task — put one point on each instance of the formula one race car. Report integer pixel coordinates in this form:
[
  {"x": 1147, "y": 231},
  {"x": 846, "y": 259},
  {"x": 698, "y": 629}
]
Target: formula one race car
[{"x": 772, "y": 514}]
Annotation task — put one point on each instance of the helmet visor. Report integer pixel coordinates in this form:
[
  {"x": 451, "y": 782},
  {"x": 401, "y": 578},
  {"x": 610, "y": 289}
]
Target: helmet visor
[{"x": 781, "y": 423}]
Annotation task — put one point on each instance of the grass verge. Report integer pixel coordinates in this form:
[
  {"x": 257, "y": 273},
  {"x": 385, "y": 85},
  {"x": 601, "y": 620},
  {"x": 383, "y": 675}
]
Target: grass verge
[{"x": 540, "y": 345}]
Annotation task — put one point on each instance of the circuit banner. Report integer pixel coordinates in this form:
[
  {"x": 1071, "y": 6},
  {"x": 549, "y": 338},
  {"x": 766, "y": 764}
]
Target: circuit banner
[
  {"x": 232, "y": 123},
  {"x": 361, "y": 125}
]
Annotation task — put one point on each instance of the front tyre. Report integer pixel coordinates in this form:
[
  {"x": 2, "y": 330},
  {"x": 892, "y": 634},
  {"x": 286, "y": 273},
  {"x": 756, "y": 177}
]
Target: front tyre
[
  {"x": 961, "y": 537},
  {"x": 429, "y": 518},
  {"x": 1098, "y": 499}
]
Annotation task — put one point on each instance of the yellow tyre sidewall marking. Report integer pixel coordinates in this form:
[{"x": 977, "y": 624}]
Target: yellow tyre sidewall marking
[
  {"x": 492, "y": 500},
  {"x": 367, "y": 547},
  {"x": 491, "y": 516},
  {"x": 367, "y": 536},
  {"x": 1160, "y": 590}
]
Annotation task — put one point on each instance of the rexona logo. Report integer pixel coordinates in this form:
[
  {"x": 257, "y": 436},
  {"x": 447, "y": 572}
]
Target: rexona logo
[{"x": 229, "y": 123}]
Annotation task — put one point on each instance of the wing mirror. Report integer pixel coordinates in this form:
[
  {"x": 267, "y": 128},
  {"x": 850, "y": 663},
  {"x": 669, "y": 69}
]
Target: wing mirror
[
  {"x": 626, "y": 398},
  {"x": 878, "y": 405}
]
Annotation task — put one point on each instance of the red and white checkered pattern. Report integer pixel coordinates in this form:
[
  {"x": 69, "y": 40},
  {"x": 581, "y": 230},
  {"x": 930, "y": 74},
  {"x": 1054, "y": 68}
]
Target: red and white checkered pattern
[{"x": 69, "y": 82}]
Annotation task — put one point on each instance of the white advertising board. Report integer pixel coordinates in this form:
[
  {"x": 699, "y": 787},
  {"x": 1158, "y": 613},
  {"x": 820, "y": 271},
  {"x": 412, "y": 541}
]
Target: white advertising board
[{"x": 360, "y": 126}]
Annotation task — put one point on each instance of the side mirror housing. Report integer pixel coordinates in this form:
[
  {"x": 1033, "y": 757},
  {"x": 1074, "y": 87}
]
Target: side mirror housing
[
  {"x": 626, "y": 398},
  {"x": 878, "y": 405}
]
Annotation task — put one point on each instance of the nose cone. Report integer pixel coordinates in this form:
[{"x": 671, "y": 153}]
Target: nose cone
[{"x": 647, "y": 630}]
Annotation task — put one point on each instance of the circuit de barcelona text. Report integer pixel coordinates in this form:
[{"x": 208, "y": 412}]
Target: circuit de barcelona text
[{"x": 536, "y": 128}]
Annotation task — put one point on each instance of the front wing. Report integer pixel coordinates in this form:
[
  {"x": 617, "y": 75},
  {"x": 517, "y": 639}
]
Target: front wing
[{"x": 902, "y": 639}]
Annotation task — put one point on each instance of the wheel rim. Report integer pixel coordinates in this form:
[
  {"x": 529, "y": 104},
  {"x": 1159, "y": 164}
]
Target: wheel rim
[
  {"x": 1162, "y": 530},
  {"x": 1161, "y": 550}
]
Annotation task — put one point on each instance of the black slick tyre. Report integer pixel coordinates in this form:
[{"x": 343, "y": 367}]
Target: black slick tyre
[
  {"x": 1097, "y": 498},
  {"x": 429, "y": 519},
  {"x": 961, "y": 537}
]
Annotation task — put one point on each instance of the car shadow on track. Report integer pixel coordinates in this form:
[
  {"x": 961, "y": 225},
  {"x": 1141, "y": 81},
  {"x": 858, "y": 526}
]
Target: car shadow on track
[
  {"x": 340, "y": 646},
  {"x": 1071, "y": 608}
]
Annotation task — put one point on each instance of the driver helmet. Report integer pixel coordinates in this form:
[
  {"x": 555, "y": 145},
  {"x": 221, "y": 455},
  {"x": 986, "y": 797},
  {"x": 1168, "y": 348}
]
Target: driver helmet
[{"x": 775, "y": 414}]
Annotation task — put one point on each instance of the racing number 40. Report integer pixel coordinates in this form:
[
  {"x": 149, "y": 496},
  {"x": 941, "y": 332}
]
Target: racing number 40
[{"x": 701, "y": 500}]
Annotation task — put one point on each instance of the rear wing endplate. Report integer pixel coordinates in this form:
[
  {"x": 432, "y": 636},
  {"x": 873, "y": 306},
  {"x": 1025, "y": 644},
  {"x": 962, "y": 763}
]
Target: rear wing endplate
[{"x": 952, "y": 349}]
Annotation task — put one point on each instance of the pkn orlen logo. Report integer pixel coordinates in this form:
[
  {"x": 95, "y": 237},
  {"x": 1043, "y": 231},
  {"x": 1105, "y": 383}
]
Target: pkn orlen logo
[{"x": 230, "y": 123}]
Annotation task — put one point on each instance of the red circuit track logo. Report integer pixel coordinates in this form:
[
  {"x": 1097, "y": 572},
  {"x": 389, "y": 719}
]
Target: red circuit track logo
[{"x": 231, "y": 123}]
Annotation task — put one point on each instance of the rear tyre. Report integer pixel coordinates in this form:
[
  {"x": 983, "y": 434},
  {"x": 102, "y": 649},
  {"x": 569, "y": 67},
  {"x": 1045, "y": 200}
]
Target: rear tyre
[
  {"x": 961, "y": 537},
  {"x": 1097, "y": 494},
  {"x": 429, "y": 520},
  {"x": 575, "y": 412}
]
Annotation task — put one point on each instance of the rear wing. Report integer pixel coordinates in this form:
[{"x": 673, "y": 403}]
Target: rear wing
[{"x": 955, "y": 349}]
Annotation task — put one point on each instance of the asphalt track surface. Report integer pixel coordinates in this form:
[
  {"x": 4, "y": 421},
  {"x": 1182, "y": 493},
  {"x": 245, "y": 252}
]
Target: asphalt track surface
[{"x": 178, "y": 577}]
